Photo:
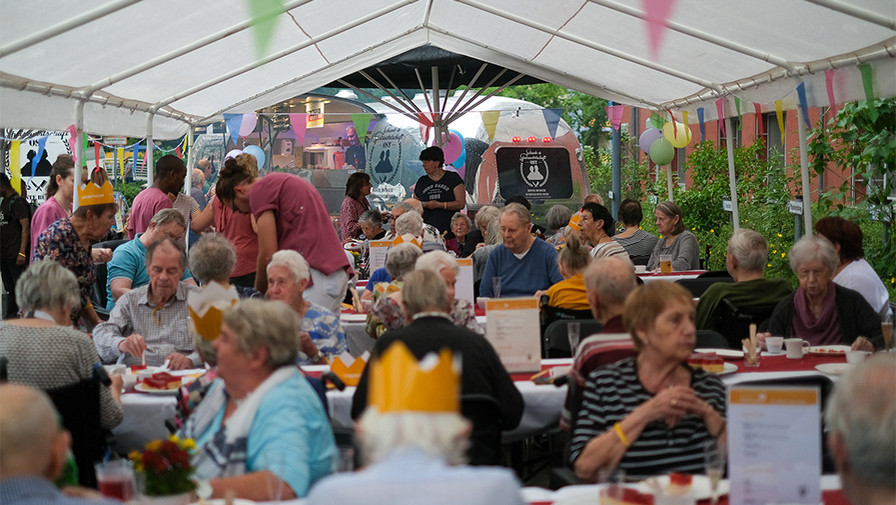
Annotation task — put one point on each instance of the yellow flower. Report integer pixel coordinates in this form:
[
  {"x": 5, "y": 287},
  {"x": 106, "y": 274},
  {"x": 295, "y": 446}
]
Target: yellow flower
[
  {"x": 780, "y": 236},
  {"x": 189, "y": 443},
  {"x": 783, "y": 254},
  {"x": 173, "y": 438},
  {"x": 775, "y": 251},
  {"x": 134, "y": 455},
  {"x": 711, "y": 230},
  {"x": 769, "y": 265},
  {"x": 154, "y": 446}
]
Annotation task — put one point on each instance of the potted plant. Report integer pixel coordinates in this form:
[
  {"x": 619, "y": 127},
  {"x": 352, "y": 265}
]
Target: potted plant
[{"x": 166, "y": 471}]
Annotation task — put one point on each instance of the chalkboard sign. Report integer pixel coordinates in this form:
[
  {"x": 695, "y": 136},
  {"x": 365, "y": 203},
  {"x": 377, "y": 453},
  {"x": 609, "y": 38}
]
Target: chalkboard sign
[{"x": 538, "y": 173}]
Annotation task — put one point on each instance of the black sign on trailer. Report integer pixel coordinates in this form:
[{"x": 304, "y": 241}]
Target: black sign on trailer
[{"x": 537, "y": 172}]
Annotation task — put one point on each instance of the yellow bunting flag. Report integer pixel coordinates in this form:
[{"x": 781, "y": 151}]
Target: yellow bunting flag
[
  {"x": 490, "y": 120},
  {"x": 15, "y": 169},
  {"x": 120, "y": 155},
  {"x": 779, "y": 111}
]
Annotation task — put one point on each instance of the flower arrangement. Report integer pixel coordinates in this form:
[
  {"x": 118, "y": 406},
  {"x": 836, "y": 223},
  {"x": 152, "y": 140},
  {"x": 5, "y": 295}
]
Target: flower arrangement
[{"x": 165, "y": 466}]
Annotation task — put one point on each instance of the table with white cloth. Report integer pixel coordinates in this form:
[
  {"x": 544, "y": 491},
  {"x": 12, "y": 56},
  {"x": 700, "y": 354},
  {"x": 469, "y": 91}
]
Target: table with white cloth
[{"x": 674, "y": 276}]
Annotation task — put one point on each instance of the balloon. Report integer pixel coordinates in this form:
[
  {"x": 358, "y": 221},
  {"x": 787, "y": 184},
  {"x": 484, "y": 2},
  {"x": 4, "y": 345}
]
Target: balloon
[
  {"x": 248, "y": 125},
  {"x": 453, "y": 146},
  {"x": 662, "y": 152},
  {"x": 684, "y": 134},
  {"x": 233, "y": 154},
  {"x": 257, "y": 152},
  {"x": 647, "y": 138}
]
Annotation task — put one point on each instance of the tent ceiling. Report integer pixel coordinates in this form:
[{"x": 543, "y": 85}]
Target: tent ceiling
[{"x": 189, "y": 63}]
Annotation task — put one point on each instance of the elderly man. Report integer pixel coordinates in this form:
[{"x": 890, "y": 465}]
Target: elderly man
[
  {"x": 427, "y": 301},
  {"x": 521, "y": 265},
  {"x": 127, "y": 270},
  {"x": 861, "y": 419},
  {"x": 746, "y": 258},
  {"x": 170, "y": 174},
  {"x": 150, "y": 322},
  {"x": 322, "y": 336},
  {"x": 35, "y": 450},
  {"x": 197, "y": 179}
]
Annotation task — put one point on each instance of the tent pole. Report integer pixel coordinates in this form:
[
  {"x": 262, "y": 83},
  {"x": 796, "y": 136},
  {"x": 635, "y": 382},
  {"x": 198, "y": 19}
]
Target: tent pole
[
  {"x": 376, "y": 99},
  {"x": 149, "y": 151},
  {"x": 379, "y": 86},
  {"x": 464, "y": 92},
  {"x": 804, "y": 172},
  {"x": 732, "y": 181},
  {"x": 616, "y": 148},
  {"x": 410, "y": 101},
  {"x": 191, "y": 162},
  {"x": 669, "y": 180},
  {"x": 79, "y": 151},
  {"x": 434, "y": 75}
]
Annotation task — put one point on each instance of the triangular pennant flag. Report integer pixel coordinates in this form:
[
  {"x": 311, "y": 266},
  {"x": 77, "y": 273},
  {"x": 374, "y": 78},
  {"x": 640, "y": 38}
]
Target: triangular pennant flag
[
  {"x": 804, "y": 106},
  {"x": 867, "y": 81},
  {"x": 779, "y": 111},
  {"x": 656, "y": 121},
  {"x": 362, "y": 123},
  {"x": 264, "y": 19},
  {"x": 702, "y": 124},
  {"x": 41, "y": 147},
  {"x": 15, "y": 169},
  {"x": 134, "y": 158},
  {"x": 490, "y": 120},
  {"x": 829, "y": 84},
  {"x": 96, "y": 154},
  {"x": 720, "y": 110},
  {"x": 656, "y": 13},
  {"x": 552, "y": 119},
  {"x": 614, "y": 114},
  {"x": 299, "y": 123},
  {"x": 684, "y": 119},
  {"x": 674, "y": 123},
  {"x": 759, "y": 119},
  {"x": 120, "y": 154},
  {"x": 72, "y": 142},
  {"x": 740, "y": 119},
  {"x": 84, "y": 142},
  {"x": 233, "y": 122},
  {"x": 426, "y": 121},
  {"x": 177, "y": 151}
]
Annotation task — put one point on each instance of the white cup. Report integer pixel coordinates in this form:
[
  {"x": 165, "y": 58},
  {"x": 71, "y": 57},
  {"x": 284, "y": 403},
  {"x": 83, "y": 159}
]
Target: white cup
[
  {"x": 856, "y": 356},
  {"x": 795, "y": 347},
  {"x": 774, "y": 344},
  {"x": 481, "y": 301},
  {"x": 640, "y": 269}
]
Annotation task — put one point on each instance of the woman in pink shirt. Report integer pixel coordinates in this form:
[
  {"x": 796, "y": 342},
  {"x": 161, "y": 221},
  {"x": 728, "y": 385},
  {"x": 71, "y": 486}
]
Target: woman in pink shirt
[{"x": 60, "y": 192}]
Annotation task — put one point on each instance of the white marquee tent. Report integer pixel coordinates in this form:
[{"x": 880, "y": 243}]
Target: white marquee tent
[{"x": 153, "y": 68}]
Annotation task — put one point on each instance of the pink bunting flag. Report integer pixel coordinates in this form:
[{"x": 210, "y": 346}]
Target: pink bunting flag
[
  {"x": 720, "y": 109},
  {"x": 614, "y": 113},
  {"x": 299, "y": 123},
  {"x": 656, "y": 13},
  {"x": 829, "y": 83}
]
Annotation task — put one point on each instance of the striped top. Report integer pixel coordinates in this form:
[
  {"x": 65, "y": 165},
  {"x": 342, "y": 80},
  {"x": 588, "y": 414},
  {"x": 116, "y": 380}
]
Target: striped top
[
  {"x": 638, "y": 245},
  {"x": 607, "y": 249},
  {"x": 614, "y": 391}
]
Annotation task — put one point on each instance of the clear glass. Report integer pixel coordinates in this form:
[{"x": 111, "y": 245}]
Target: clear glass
[
  {"x": 572, "y": 332},
  {"x": 496, "y": 286},
  {"x": 714, "y": 456},
  {"x": 115, "y": 479},
  {"x": 886, "y": 327},
  {"x": 612, "y": 489}
]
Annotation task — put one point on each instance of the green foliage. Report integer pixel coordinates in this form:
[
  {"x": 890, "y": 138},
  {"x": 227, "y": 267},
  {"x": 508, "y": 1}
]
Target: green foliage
[{"x": 129, "y": 190}]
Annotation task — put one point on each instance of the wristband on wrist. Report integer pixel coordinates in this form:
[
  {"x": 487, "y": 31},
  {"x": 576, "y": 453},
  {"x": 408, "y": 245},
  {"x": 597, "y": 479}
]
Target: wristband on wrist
[
  {"x": 22, "y": 255},
  {"x": 621, "y": 434}
]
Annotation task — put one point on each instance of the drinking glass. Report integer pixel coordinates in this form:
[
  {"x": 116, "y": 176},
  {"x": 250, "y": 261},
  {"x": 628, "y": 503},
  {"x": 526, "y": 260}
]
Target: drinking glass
[
  {"x": 886, "y": 327},
  {"x": 496, "y": 287},
  {"x": 613, "y": 485},
  {"x": 115, "y": 479},
  {"x": 714, "y": 457},
  {"x": 572, "y": 332}
]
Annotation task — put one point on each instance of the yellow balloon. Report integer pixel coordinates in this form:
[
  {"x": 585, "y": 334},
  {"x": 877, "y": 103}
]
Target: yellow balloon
[{"x": 683, "y": 136}]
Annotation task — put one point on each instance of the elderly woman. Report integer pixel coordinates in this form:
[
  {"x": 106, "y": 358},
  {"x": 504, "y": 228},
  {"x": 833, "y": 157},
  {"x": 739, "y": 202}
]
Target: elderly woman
[
  {"x": 371, "y": 223},
  {"x": 357, "y": 188},
  {"x": 408, "y": 227},
  {"x": 460, "y": 227},
  {"x": 322, "y": 336},
  {"x": 821, "y": 311},
  {"x": 853, "y": 271},
  {"x": 556, "y": 220},
  {"x": 68, "y": 241},
  {"x": 261, "y": 431},
  {"x": 676, "y": 242},
  {"x": 480, "y": 255},
  {"x": 212, "y": 259},
  {"x": 638, "y": 243},
  {"x": 650, "y": 414},
  {"x": 399, "y": 261},
  {"x": 43, "y": 349}
]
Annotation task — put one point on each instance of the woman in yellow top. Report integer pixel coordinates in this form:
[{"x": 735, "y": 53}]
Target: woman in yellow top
[{"x": 570, "y": 292}]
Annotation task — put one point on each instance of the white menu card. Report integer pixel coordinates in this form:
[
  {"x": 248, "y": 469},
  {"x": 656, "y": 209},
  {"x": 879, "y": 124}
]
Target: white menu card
[
  {"x": 774, "y": 444},
  {"x": 463, "y": 289},
  {"x": 513, "y": 329},
  {"x": 376, "y": 258}
]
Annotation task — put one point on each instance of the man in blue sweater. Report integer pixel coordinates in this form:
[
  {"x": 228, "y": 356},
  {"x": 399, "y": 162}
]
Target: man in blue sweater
[{"x": 523, "y": 263}]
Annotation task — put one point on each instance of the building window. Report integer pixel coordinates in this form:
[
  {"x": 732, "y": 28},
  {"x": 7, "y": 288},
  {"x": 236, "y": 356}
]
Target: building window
[
  {"x": 773, "y": 145},
  {"x": 735, "y": 129}
]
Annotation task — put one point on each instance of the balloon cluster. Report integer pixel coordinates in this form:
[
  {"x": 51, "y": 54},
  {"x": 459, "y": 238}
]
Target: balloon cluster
[{"x": 660, "y": 144}]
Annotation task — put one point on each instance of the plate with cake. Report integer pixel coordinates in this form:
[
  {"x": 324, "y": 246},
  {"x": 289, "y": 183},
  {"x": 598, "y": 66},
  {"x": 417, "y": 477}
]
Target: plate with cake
[
  {"x": 724, "y": 353},
  {"x": 160, "y": 383},
  {"x": 698, "y": 488},
  {"x": 711, "y": 362}
]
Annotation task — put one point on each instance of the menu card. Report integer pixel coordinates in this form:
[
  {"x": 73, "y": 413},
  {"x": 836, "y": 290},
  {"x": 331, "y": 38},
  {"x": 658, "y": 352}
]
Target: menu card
[
  {"x": 514, "y": 331},
  {"x": 774, "y": 444},
  {"x": 463, "y": 289},
  {"x": 376, "y": 258}
]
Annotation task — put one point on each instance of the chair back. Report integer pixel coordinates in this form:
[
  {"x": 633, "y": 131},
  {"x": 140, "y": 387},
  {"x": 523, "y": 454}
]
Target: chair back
[
  {"x": 549, "y": 314},
  {"x": 79, "y": 406},
  {"x": 484, "y": 412},
  {"x": 99, "y": 294},
  {"x": 712, "y": 340},
  {"x": 556, "y": 336},
  {"x": 733, "y": 322},
  {"x": 698, "y": 285}
]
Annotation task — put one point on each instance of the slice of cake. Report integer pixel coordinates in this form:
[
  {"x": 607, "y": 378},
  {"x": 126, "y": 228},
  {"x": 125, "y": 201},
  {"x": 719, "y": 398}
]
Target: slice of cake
[
  {"x": 679, "y": 483},
  {"x": 611, "y": 496},
  {"x": 162, "y": 381},
  {"x": 714, "y": 363}
]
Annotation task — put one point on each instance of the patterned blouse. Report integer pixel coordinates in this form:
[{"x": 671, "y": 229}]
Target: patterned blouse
[
  {"x": 390, "y": 313},
  {"x": 325, "y": 331},
  {"x": 61, "y": 243},
  {"x": 349, "y": 214}
]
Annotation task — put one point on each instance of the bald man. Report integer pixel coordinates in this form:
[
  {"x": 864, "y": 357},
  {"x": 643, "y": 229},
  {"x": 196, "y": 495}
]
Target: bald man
[{"x": 35, "y": 450}]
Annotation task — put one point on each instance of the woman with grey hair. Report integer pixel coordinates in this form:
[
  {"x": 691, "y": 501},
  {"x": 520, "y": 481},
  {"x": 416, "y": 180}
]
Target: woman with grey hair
[
  {"x": 253, "y": 446},
  {"x": 820, "y": 311},
  {"x": 460, "y": 227},
  {"x": 371, "y": 223},
  {"x": 399, "y": 261},
  {"x": 677, "y": 241},
  {"x": 212, "y": 258},
  {"x": 43, "y": 349},
  {"x": 556, "y": 220},
  {"x": 480, "y": 256},
  {"x": 321, "y": 337}
]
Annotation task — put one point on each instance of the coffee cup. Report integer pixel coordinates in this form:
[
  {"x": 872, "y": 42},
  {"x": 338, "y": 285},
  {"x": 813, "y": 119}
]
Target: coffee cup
[
  {"x": 774, "y": 345},
  {"x": 855, "y": 357},
  {"x": 796, "y": 347}
]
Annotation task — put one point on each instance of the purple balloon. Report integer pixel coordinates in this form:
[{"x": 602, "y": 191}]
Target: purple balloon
[{"x": 647, "y": 138}]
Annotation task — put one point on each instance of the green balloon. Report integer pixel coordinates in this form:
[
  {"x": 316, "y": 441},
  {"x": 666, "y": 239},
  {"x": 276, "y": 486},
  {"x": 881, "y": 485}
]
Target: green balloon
[{"x": 662, "y": 152}]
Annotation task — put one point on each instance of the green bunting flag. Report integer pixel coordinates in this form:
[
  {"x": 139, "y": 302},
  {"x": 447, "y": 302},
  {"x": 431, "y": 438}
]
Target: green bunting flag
[{"x": 264, "y": 18}]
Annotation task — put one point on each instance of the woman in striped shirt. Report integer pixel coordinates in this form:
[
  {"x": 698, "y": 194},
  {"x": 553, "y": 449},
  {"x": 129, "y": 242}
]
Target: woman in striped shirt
[
  {"x": 597, "y": 226},
  {"x": 650, "y": 414}
]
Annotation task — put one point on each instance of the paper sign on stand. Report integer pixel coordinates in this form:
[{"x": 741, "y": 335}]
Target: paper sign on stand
[
  {"x": 514, "y": 331},
  {"x": 774, "y": 445},
  {"x": 463, "y": 288},
  {"x": 376, "y": 258}
]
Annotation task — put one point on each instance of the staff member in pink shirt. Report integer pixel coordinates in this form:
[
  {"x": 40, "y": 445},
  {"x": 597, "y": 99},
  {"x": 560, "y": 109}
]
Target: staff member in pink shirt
[
  {"x": 60, "y": 193},
  {"x": 289, "y": 214},
  {"x": 170, "y": 174}
]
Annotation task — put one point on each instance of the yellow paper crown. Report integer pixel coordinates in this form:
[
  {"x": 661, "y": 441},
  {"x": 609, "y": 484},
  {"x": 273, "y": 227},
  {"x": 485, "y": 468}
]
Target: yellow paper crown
[
  {"x": 406, "y": 238},
  {"x": 398, "y": 383},
  {"x": 350, "y": 374},
  {"x": 574, "y": 221},
  {"x": 214, "y": 299},
  {"x": 93, "y": 195}
]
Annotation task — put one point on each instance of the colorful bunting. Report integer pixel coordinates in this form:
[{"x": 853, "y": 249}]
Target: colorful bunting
[
  {"x": 720, "y": 109},
  {"x": 656, "y": 13},
  {"x": 86, "y": 144},
  {"x": 233, "y": 122},
  {"x": 362, "y": 123},
  {"x": 614, "y": 113},
  {"x": 552, "y": 119},
  {"x": 656, "y": 121},
  {"x": 41, "y": 147},
  {"x": 96, "y": 155},
  {"x": 674, "y": 123},
  {"x": 867, "y": 81},
  {"x": 490, "y": 120},
  {"x": 15, "y": 169},
  {"x": 779, "y": 111},
  {"x": 299, "y": 123},
  {"x": 73, "y": 142},
  {"x": 702, "y": 124},
  {"x": 119, "y": 153},
  {"x": 829, "y": 84},
  {"x": 264, "y": 18},
  {"x": 801, "y": 93}
]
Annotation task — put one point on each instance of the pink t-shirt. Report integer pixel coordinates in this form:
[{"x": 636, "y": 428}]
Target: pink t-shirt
[
  {"x": 46, "y": 214},
  {"x": 303, "y": 223},
  {"x": 237, "y": 227},
  {"x": 146, "y": 204}
]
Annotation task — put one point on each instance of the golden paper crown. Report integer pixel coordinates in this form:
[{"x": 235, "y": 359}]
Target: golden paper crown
[
  {"x": 93, "y": 195},
  {"x": 349, "y": 373},
  {"x": 207, "y": 309},
  {"x": 407, "y": 238},
  {"x": 574, "y": 221},
  {"x": 398, "y": 383}
]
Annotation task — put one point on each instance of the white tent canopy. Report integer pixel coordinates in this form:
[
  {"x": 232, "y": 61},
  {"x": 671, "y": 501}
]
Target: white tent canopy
[{"x": 186, "y": 63}]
